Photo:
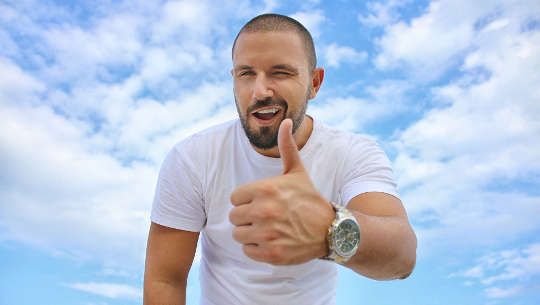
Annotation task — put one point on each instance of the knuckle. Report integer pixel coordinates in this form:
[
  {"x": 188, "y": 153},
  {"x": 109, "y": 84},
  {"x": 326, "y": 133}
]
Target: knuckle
[
  {"x": 247, "y": 252},
  {"x": 273, "y": 254},
  {"x": 266, "y": 212},
  {"x": 269, "y": 188},
  {"x": 269, "y": 235}
]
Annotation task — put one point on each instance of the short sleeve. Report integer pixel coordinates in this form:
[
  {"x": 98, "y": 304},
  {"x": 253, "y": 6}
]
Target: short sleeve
[
  {"x": 367, "y": 169},
  {"x": 178, "y": 200}
]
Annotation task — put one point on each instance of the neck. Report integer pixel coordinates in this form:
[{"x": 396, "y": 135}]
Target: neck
[{"x": 301, "y": 137}]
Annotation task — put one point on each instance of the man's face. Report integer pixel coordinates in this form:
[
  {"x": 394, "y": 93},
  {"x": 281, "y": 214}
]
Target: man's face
[{"x": 271, "y": 83}]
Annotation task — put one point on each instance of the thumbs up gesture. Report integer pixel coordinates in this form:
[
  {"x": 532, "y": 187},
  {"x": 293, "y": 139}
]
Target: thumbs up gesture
[{"x": 282, "y": 220}]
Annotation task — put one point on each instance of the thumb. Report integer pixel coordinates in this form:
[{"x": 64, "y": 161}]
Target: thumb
[{"x": 288, "y": 149}]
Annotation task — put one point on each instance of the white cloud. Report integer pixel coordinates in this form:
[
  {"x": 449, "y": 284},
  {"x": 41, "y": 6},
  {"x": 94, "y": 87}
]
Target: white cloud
[
  {"x": 521, "y": 266},
  {"x": 515, "y": 264},
  {"x": 382, "y": 13},
  {"x": 110, "y": 290},
  {"x": 341, "y": 108},
  {"x": 497, "y": 292},
  {"x": 311, "y": 20},
  {"x": 78, "y": 193},
  {"x": 414, "y": 44},
  {"x": 115, "y": 273},
  {"x": 160, "y": 64},
  {"x": 83, "y": 135},
  {"x": 270, "y": 5},
  {"x": 475, "y": 272},
  {"x": 15, "y": 84},
  {"x": 183, "y": 21},
  {"x": 336, "y": 54},
  {"x": 467, "y": 158},
  {"x": 147, "y": 121},
  {"x": 496, "y": 25},
  {"x": 67, "y": 197},
  {"x": 431, "y": 44},
  {"x": 113, "y": 43}
]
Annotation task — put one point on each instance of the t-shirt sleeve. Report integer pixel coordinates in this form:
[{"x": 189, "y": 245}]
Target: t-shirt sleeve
[
  {"x": 367, "y": 169},
  {"x": 178, "y": 200}
]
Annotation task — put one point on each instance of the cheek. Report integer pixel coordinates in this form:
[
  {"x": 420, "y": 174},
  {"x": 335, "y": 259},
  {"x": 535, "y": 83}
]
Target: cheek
[
  {"x": 242, "y": 89},
  {"x": 295, "y": 89},
  {"x": 298, "y": 96},
  {"x": 240, "y": 96}
]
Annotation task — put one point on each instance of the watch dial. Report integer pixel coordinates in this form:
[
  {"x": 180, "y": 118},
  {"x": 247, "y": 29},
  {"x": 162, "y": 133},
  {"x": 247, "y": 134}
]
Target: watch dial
[{"x": 347, "y": 236}]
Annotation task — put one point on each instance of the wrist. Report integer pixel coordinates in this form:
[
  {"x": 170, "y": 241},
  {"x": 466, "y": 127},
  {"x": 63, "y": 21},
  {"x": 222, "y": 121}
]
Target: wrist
[{"x": 330, "y": 216}]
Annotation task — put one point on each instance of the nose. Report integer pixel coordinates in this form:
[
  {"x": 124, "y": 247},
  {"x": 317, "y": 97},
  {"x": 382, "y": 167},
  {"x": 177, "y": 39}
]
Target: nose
[{"x": 262, "y": 88}]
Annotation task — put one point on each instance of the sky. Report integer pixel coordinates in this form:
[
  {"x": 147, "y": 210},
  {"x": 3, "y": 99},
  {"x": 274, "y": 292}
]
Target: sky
[{"x": 93, "y": 94}]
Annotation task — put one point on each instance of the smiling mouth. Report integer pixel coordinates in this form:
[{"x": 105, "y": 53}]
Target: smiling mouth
[{"x": 266, "y": 114}]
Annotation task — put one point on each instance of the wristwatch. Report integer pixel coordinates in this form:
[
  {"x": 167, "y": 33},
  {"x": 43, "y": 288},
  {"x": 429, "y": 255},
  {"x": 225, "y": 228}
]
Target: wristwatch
[{"x": 343, "y": 236}]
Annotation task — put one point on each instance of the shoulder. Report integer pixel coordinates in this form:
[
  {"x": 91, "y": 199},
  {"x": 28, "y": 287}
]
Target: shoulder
[
  {"x": 356, "y": 151},
  {"x": 344, "y": 140},
  {"x": 194, "y": 153},
  {"x": 364, "y": 165}
]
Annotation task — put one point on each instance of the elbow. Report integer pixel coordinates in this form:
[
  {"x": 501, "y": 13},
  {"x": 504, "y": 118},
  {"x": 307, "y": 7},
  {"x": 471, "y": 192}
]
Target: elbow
[
  {"x": 408, "y": 268},
  {"x": 409, "y": 258},
  {"x": 400, "y": 269}
]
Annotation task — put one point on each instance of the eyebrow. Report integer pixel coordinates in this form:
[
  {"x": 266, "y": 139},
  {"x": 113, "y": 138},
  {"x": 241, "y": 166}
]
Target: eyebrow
[
  {"x": 276, "y": 67},
  {"x": 243, "y": 67}
]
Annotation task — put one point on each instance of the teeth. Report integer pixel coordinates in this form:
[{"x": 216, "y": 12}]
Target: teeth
[{"x": 273, "y": 110}]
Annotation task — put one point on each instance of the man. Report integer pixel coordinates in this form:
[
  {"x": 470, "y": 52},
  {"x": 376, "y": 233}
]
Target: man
[{"x": 268, "y": 191}]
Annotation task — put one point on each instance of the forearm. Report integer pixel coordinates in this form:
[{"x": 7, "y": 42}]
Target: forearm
[
  {"x": 387, "y": 248},
  {"x": 164, "y": 293}
]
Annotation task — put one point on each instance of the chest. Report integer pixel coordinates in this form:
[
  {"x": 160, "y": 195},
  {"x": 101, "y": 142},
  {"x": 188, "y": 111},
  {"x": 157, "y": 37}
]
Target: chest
[{"x": 223, "y": 180}]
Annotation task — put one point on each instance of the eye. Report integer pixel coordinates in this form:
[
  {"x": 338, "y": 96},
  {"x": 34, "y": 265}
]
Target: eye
[
  {"x": 246, "y": 73},
  {"x": 282, "y": 73}
]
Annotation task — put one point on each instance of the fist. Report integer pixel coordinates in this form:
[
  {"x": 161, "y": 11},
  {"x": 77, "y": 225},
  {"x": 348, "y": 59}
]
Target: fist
[{"x": 282, "y": 220}]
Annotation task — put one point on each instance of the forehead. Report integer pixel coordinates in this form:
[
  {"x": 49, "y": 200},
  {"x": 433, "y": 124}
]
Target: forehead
[{"x": 270, "y": 48}]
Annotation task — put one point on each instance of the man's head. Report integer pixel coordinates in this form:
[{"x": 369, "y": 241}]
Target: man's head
[
  {"x": 275, "y": 23},
  {"x": 274, "y": 76}
]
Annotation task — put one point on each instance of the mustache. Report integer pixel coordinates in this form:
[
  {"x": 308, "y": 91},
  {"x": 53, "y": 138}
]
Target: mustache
[{"x": 269, "y": 101}]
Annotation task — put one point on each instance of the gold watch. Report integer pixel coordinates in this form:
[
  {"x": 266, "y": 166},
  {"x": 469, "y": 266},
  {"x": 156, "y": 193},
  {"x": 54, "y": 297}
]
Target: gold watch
[{"x": 343, "y": 236}]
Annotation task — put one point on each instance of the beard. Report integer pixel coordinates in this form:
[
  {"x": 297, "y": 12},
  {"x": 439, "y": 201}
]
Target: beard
[{"x": 266, "y": 137}]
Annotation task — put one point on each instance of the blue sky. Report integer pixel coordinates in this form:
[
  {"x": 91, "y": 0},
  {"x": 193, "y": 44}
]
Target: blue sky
[{"x": 94, "y": 93}]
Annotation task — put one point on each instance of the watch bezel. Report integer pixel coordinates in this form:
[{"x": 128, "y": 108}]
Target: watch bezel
[{"x": 338, "y": 249}]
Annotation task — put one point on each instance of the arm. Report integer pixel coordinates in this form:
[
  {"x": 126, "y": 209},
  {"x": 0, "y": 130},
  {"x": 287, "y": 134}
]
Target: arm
[
  {"x": 169, "y": 256},
  {"x": 284, "y": 220},
  {"x": 387, "y": 248}
]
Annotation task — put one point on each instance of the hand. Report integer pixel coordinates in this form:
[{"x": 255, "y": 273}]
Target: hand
[{"x": 282, "y": 220}]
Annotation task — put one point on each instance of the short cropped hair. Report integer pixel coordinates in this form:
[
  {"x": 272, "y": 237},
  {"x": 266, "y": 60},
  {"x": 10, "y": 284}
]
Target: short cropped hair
[{"x": 276, "y": 22}]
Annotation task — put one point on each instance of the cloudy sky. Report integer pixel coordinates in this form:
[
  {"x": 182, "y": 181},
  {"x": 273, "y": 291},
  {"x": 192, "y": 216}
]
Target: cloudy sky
[{"x": 94, "y": 93}]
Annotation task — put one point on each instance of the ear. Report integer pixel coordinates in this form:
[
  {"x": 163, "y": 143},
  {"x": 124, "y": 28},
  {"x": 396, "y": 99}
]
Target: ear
[
  {"x": 232, "y": 72},
  {"x": 316, "y": 82}
]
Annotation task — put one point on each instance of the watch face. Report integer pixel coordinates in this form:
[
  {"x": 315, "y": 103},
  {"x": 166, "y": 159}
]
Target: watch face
[{"x": 346, "y": 237}]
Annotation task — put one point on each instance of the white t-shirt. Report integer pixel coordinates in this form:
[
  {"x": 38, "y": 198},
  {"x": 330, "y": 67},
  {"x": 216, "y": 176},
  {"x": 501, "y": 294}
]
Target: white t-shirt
[{"x": 193, "y": 194}]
